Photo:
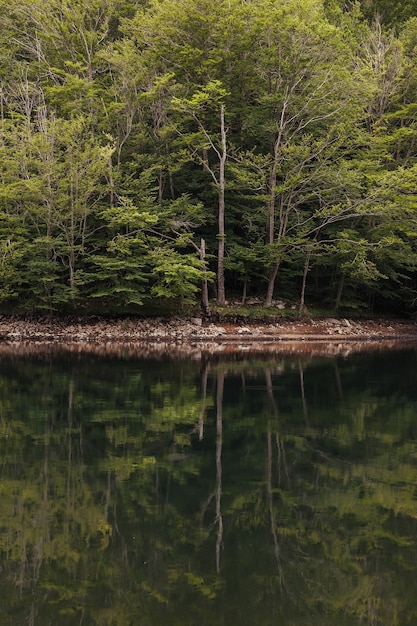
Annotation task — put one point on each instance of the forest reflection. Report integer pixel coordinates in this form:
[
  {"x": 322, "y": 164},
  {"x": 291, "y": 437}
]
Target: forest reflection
[{"x": 251, "y": 489}]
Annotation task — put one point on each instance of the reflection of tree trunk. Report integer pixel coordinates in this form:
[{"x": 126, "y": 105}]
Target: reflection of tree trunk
[
  {"x": 219, "y": 444},
  {"x": 282, "y": 461},
  {"x": 204, "y": 378},
  {"x": 69, "y": 418},
  {"x": 243, "y": 379},
  {"x": 272, "y": 515},
  {"x": 43, "y": 535},
  {"x": 32, "y": 615},
  {"x": 303, "y": 395},
  {"x": 270, "y": 392},
  {"x": 108, "y": 497},
  {"x": 338, "y": 381}
]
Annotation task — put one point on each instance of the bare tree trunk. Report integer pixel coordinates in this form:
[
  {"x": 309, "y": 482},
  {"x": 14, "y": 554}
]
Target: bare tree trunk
[
  {"x": 205, "y": 306},
  {"x": 221, "y": 295},
  {"x": 171, "y": 185},
  {"x": 272, "y": 183},
  {"x": 244, "y": 292},
  {"x": 111, "y": 184},
  {"x": 1, "y": 105},
  {"x": 303, "y": 286},
  {"x": 271, "y": 205},
  {"x": 339, "y": 293},
  {"x": 219, "y": 181},
  {"x": 272, "y": 179},
  {"x": 271, "y": 285},
  {"x": 161, "y": 181}
]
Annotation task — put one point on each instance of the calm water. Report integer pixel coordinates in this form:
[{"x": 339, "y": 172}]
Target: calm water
[{"x": 257, "y": 491}]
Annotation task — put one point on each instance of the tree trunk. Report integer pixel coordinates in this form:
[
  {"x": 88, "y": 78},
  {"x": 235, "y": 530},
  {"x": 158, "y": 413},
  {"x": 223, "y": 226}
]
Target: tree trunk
[
  {"x": 160, "y": 186},
  {"x": 245, "y": 289},
  {"x": 303, "y": 287},
  {"x": 339, "y": 293},
  {"x": 221, "y": 295},
  {"x": 271, "y": 285},
  {"x": 205, "y": 307},
  {"x": 272, "y": 183}
]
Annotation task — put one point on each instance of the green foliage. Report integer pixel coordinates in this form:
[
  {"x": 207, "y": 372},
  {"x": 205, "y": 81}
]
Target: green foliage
[
  {"x": 177, "y": 275},
  {"x": 114, "y": 168}
]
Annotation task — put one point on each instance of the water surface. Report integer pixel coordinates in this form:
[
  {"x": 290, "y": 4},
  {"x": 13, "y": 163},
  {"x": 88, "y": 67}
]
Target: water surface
[{"x": 255, "y": 490}]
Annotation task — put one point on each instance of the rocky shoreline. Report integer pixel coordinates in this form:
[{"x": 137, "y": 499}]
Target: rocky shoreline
[{"x": 192, "y": 336}]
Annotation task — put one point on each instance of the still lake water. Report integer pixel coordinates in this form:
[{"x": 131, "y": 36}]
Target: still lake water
[{"x": 257, "y": 490}]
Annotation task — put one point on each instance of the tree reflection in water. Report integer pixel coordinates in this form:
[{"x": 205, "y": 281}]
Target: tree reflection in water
[{"x": 256, "y": 489}]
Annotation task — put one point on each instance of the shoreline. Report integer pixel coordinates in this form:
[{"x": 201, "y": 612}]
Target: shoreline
[{"x": 193, "y": 337}]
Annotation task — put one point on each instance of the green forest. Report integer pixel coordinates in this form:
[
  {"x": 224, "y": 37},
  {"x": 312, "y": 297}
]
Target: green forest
[{"x": 189, "y": 152}]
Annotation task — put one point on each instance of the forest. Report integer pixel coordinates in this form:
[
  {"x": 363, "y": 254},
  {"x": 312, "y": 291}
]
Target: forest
[{"x": 178, "y": 153}]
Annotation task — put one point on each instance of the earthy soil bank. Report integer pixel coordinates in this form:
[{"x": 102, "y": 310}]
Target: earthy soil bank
[{"x": 143, "y": 336}]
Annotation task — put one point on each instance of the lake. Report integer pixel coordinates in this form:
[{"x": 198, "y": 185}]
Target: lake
[{"x": 252, "y": 489}]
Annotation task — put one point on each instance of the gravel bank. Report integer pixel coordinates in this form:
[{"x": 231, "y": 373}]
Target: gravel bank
[{"x": 329, "y": 336}]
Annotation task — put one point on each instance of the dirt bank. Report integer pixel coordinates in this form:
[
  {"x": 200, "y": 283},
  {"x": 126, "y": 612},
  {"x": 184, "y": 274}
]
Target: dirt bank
[
  {"x": 194, "y": 330},
  {"x": 328, "y": 336}
]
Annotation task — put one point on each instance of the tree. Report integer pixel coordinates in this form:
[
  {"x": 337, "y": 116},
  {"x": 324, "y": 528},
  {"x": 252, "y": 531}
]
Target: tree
[
  {"x": 307, "y": 99},
  {"x": 52, "y": 186},
  {"x": 391, "y": 13},
  {"x": 210, "y": 141}
]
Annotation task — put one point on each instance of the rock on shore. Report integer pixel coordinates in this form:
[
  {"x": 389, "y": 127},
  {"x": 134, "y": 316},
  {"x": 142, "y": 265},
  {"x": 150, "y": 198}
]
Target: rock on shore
[{"x": 194, "y": 330}]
